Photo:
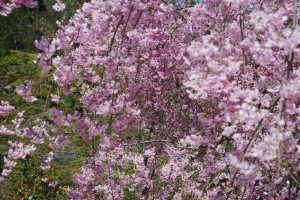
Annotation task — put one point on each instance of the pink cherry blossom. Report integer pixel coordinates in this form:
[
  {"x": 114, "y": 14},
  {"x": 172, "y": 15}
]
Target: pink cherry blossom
[
  {"x": 59, "y": 6},
  {"x": 25, "y": 91},
  {"x": 5, "y": 108}
]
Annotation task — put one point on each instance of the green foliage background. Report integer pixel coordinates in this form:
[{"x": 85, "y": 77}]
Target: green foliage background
[
  {"x": 18, "y": 33},
  {"x": 23, "y": 26}
]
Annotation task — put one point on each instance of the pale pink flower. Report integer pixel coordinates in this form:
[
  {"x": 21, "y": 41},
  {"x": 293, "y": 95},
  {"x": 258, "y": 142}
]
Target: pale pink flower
[{"x": 59, "y": 6}]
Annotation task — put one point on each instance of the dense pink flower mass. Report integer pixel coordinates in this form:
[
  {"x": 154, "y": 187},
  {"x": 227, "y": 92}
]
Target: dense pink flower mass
[{"x": 198, "y": 101}]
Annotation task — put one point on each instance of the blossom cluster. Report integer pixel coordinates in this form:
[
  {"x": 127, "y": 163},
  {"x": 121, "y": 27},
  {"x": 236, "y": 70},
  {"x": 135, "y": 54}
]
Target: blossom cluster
[
  {"x": 7, "y": 6},
  {"x": 5, "y": 108},
  {"x": 25, "y": 91}
]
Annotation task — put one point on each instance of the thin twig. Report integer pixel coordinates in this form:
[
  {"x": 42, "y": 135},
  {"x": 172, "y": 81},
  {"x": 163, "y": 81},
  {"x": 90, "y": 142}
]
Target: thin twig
[{"x": 145, "y": 142}]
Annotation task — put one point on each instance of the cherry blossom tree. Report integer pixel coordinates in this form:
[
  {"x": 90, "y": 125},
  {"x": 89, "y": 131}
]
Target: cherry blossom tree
[{"x": 194, "y": 101}]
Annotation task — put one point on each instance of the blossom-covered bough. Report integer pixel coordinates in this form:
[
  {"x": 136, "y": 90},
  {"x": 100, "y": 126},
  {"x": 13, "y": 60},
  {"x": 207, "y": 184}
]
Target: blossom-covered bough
[
  {"x": 195, "y": 102},
  {"x": 6, "y": 6}
]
